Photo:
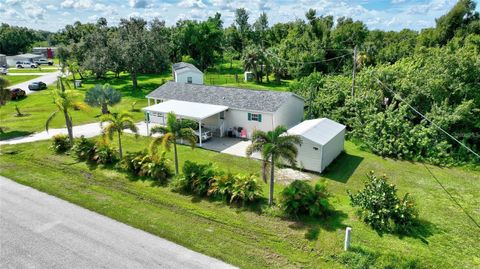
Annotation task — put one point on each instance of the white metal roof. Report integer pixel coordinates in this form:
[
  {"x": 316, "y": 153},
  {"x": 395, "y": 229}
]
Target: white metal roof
[
  {"x": 318, "y": 130},
  {"x": 189, "y": 110}
]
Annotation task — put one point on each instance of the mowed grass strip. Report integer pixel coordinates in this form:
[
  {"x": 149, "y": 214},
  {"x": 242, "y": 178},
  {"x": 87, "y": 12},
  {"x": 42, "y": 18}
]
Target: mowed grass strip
[
  {"x": 19, "y": 79},
  {"x": 250, "y": 237}
]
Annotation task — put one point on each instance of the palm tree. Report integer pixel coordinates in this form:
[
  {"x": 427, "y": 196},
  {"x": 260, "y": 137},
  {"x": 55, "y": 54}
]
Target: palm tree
[
  {"x": 103, "y": 96},
  {"x": 252, "y": 59},
  {"x": 64, "y": 102},
  {"x": 174, "y": 130},
  {"x": 4, "y": 92},
  {"x": 118, "y": 123},
  {"x": 275, "y": 146}
]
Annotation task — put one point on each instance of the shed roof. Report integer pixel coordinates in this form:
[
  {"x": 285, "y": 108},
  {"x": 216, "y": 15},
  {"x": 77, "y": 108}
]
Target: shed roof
[
  {"x": 254, "y": 100},
  {"x": 320, "y": 131},
  {"x": 190, "y": 110},
  {"x": 182, "y": 66}
]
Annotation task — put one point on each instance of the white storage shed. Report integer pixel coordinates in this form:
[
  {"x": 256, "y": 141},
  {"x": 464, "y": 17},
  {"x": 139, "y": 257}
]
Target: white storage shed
[{"x": 322, "y": 142}]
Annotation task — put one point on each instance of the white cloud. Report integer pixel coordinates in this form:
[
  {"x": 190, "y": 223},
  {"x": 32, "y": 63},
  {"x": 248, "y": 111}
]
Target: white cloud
[
  {"x": 13, "y": 2},
  {"x": 192, "y": 4},
  {"x": 138, "y": 3},
  {"x": 33, "y": 11},
  {"x": 77, "y": 4}
]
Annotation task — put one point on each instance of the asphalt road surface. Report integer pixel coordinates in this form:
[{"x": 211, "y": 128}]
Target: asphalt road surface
[
  {"x": 41, "y": 231},
  {"x": 47, "y": 78}
]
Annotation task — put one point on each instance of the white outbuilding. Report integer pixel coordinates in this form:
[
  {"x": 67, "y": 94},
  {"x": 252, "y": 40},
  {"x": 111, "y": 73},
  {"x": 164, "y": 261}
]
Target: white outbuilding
[
  {"x": 322, "y": 142},
  {"x": 186, "y": 73}
]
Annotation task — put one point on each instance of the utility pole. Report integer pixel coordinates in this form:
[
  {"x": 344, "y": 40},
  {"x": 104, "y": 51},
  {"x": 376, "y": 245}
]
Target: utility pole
[{"x": 354, "y": 69}]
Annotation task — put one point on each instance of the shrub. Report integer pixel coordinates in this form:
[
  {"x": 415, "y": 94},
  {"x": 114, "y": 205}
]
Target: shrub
[
  {"x": 300, "y": 198},
  {"x": 60, "y": 143},
  {"x": 104, "y": 153},
  {"x": 198, "y": 177},
  {"x": 156, "y": 167},
  {"x": 132, "y": 162},
  {"x": 381, "y": 208},
  {"x": 84, "y": 149},
  {"x": 245, "y": 189},
  {"x": 222, "y": 186}
]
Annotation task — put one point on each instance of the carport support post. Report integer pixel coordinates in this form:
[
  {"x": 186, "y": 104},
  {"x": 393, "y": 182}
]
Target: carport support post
[{"x": 200, "y": 132}]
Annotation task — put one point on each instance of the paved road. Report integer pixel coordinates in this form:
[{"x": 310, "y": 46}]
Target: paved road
[
  {"x": 47, "y": 78},
  {"x": 40, "y": 231},
  {"x": 87, "y": 130}
]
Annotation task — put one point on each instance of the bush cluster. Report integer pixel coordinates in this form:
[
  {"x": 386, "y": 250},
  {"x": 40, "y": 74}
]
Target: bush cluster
[
  {"x": 101, "y": 152},
  {"x": 300, "y": 198},
  {"x": 206, "y": 180},
  {"x": 60, "y": 143},
  {"x": 153, "y": 166},
  {"x": 381, "y": 208}
]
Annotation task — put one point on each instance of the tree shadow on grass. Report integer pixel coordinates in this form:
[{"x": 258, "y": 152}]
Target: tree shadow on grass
[
  {"x": 313, "y": 226},
  {"x": 343, "y": 167},
  {"x": 421, "y": 229},
  {"x": 13, "y": 134}
]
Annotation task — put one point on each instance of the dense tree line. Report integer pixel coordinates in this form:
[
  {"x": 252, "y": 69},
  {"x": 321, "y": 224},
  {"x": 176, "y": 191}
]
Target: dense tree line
[
  {"x": 436, "y": 70},
  {"x": 14, "y": 39}
]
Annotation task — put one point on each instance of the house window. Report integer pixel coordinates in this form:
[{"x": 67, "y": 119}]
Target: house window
[
  {"x": 255, "y": 117},
  {"x": 222, "y": 115},
  {"x": 189, "y": 80}
]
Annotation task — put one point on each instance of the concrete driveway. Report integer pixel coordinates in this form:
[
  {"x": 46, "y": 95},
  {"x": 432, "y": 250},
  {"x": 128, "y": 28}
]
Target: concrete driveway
[
  {"x": 47, "y": 78},
  {"x": 41, "y": 231}
]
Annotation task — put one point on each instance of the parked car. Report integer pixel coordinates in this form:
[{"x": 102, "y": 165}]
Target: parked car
[
  {"x": 37, "y": 86},
  {"x": 25, "y": 64},
  {"x": 17, "y": 93},
  {"x": 206, "y": 134},
  {"x": 3, "y": 70},
  {"x": 43, "y": 61}
]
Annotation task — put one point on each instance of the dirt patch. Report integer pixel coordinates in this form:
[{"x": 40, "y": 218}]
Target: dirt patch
[{"x": 288, "y": 175}]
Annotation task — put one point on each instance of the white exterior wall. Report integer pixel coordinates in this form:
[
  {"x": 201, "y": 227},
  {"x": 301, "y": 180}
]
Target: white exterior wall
[
  {"x": 290, "y": 113},
  {"x": 182, "y": 77},
  {"x": 308, "y": 158},
  {"x": 239, "y": 118},
  {"x": 332, "y": 149}
]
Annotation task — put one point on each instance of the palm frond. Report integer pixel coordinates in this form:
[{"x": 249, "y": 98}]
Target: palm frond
[
  {"x": 158, "y": 130},
  {"x": 47, "y": 123},
  {"x": 189, "y": 135},
  {"x": 167, "y": 141}
]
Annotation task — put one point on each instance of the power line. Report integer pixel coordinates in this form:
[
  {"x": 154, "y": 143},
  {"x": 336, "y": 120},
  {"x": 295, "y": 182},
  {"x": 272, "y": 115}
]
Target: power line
[
  {"x": 314, "y": 62},
  {"x": 423, "y": 116}
]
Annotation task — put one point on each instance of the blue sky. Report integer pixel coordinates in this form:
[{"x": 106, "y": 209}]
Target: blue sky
[{"x": 377, "y": 14}]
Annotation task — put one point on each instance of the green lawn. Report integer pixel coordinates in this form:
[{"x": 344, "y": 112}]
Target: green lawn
[
  {"x": 253, "y": 238},
  {"x": 19, "y": 79},
  {"x": 38, "y": 107},
  {"x": 42, "y": 69},
  {"x": 223, "y": 74}
]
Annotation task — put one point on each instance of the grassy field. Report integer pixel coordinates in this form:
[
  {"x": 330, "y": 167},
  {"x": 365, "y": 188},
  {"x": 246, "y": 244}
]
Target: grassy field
[
  {"x": 42, "y": 69},
  {"x": 253, "y": 237},
  {"x": 19, "y": 79},
  {"x": 38, "y": 107},
  {"x": 223, "y": 74}
]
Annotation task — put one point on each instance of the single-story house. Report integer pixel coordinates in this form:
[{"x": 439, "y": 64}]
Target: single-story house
[
  {"x": 322, "y": 142},
  {"x": 29, "y": 57},
  {"x": 224, "y": 110},
  {"x": 187, "y": 73},
  {"x": 47, "y": 52}
]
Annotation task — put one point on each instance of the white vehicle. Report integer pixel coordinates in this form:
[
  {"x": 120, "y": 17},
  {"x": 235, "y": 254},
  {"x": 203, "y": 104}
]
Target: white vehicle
[
  {"x": 206, "y": 134},
  {"x": 43, "y": 61},
  {"x": 26, "y": 65},
  {"x": 3, "y": 70}
]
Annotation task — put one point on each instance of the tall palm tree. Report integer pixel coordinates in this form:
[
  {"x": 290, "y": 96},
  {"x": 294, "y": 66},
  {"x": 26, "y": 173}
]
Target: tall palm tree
[
  {"x": 174, "y": 130},
  {"x": 4, "y": 92},
  {"x": 64, "y": 102},
  {"x": 275, "y": 146},
  {"x": 117, "y": 123},
  {"x": 253, "y": 58}
]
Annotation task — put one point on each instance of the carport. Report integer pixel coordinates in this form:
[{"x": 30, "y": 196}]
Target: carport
[{"x": 184, "y": 110}]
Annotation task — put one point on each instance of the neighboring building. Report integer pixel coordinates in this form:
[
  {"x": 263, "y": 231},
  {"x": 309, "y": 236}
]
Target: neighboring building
[
  {"x": 47, "y": 52},
  {"x": 11, "y": 60},
  {"x": 236, "y": 112},
  {"x": 3, "y": 59},
  {"x": 322, "y": 142},
  {"x": 187, "y": 73}
]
